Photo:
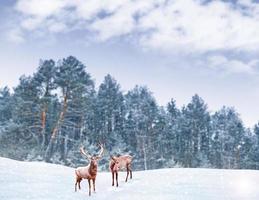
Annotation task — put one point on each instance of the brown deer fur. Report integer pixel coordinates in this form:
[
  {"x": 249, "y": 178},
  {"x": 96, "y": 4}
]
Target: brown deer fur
[
  {"x": 118, "y": 163},
  {"x": 89, "y": 172}
]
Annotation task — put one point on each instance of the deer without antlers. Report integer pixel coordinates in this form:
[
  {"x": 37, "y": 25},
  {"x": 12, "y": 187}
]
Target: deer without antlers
[
  {"x": 120, "y": 162},
  {"x": 90, "y": 171}
]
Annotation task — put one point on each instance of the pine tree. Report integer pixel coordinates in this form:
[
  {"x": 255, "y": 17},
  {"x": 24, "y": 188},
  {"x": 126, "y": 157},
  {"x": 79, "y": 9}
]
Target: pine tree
[
  {"x": 142, "y": 109},
  {"x": 110, "y": 112},
  {"x": 5, "y": 105},
  {"x": 163, "y": 140},
  {"x": 228, "y": 132},
  {"x": 254, "y": 149},
  {"x": 195, "y": 130},
  {"x": 44, "y": 79},
  {"x": 25, "y": 118},
  {"x": 72, "y": 80},
  {"x": 173, "y": 135}
]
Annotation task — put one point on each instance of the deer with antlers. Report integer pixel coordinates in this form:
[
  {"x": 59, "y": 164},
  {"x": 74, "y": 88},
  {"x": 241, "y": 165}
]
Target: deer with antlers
[
  {"x": 90, "y": 171},
  {"x": 118, "y": 163}
]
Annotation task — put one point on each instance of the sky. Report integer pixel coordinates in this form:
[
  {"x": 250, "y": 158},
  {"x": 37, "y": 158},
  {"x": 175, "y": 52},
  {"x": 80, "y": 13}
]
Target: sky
[{"x": 176, "y": 48}]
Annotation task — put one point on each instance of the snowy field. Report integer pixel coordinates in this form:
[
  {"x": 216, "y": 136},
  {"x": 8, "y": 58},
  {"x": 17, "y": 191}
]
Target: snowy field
[{"x": 36, "y": 180}]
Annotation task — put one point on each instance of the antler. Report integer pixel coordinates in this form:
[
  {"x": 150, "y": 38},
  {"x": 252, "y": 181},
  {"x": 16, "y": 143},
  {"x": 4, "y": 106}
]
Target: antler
[
  {"x": 101, "y": 151},
  {"x": 85, "y": 153}
]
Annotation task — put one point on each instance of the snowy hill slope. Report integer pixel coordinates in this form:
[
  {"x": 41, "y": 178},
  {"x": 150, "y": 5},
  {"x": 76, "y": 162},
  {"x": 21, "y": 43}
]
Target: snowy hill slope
[{"x": 36, "y": 180}]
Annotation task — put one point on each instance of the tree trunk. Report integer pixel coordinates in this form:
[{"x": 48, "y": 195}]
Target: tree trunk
[
  {"x": 144, "y": 154},
  {"x": 64, "y": 148},
  {"x": 49, "y": 150},
  {"x": 43, "y": 128}
]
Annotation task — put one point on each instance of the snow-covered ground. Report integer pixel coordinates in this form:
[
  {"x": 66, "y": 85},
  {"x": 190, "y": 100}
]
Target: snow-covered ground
[{"x": 36, "y": 180}]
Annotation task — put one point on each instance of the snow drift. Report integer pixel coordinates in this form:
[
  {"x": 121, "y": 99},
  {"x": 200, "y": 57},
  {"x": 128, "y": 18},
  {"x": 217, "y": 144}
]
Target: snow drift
[{"x": 38, "y": 180}]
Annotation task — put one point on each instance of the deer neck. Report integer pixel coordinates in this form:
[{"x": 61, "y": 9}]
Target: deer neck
[{"x": 92, "y": 170}]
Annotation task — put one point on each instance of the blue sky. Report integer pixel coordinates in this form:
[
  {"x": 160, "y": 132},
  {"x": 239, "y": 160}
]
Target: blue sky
[{"x": 176, "y": 48}]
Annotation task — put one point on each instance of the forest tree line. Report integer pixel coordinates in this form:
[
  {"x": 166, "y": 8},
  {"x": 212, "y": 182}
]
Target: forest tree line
[{"x": 49, "y": 115}]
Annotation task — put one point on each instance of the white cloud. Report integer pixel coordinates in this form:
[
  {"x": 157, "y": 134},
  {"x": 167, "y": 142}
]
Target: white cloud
[
  {"x": 15, "y": 36},
  {"x": 232, "y": 66},
  {"x": 183, "y": 25},
  {"x": 189, "y": 27},
  {"x": 38, "y": 8},
  {"x": 31, "y": 23},
  {"x": 88, "y": 9},
  {"x": 56, "y": 27}
]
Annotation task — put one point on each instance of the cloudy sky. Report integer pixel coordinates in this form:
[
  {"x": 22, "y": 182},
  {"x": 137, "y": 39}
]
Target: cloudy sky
[{"x": 175, "y": 47}]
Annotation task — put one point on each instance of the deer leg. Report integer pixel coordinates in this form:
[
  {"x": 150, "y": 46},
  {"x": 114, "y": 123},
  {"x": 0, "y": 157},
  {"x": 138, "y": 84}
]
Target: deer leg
[
  {"x": 75, "y": 185},
  {"x": 117, "y": 179},
  {"x": 79, "y": 181},
  {"x": 94, "y": 184},
  {"x": 112, "y": 178},
  {"x": 130, "y": 171},
  {"x": 127, "y": 174},
  {"x": 89, "y": 183}
]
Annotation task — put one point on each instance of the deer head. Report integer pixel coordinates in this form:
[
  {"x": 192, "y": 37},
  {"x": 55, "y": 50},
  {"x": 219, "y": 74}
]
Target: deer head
[
  {"x": 93, "y": 159},
  {"x": 115, "y": 166}
]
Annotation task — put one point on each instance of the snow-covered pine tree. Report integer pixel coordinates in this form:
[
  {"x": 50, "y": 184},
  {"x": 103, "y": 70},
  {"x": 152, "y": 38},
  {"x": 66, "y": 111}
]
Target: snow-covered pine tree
[
  {"x": 71, "y": 78},
  {"x": 6, "y": 102},
  {"x": 228, "y": 133},
  {"x": 253, "y": 161},
  {"x": 25, "y": 118},
  {"x": 44, "y": 79},
  {"x": 195, "y": 132},
  {"x": 5, "y": 105},
  {"x": 142, "y": 109},
  {"x": 173, "y": 135},
  {"x": 110, "y": 113}
]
